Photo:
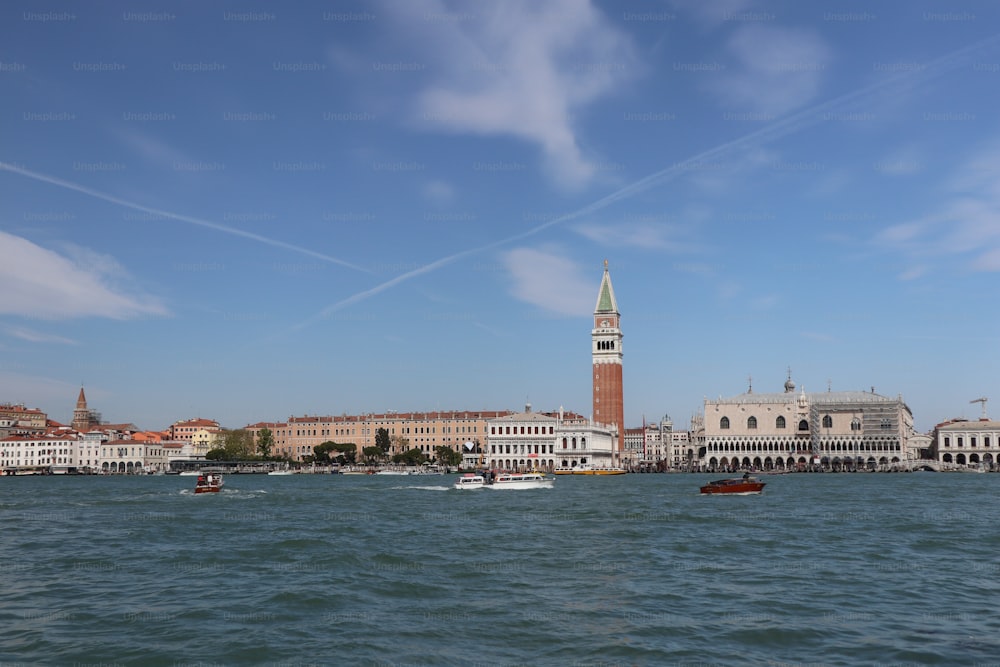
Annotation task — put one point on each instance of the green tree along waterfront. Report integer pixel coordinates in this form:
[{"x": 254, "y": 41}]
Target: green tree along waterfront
[
  {"x": 334, "y": 452},
  {"x": 238, "y": 444},
  {"x": 448, "y": 456},
  {"x": 265, "y": 443},
  {"x": 411, "y": 457},
  {"x": 382, "y": 440}
]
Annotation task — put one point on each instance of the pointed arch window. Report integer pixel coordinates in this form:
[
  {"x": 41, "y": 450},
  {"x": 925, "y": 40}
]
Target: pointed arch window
[
  {"x": 827, "y": 421},
  {"x": 752, "y": 422},
  {"x": 724, "y": 423},
  {"x": 803, "y": 425},
  {"x": 855, "y": 424},
  {"x": 779, "y": 422}
]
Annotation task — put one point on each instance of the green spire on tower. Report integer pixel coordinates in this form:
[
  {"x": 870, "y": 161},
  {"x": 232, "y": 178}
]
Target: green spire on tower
[{"x": 606, "y": 302}]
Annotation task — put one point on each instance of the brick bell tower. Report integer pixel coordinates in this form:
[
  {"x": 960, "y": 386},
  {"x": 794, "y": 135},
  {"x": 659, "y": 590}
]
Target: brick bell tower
[
  {"x": 606, "y": 351},
  {"x": 83, "y": 419}
]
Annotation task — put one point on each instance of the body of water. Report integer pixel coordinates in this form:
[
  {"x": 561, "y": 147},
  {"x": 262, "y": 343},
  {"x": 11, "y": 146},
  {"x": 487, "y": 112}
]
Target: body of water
[{"x": 822, "y": 569}]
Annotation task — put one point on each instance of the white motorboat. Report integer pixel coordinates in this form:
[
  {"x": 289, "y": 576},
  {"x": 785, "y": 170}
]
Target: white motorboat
[
  {"x": 470, "y": 481},
  {"x": 527, "y": 480}
]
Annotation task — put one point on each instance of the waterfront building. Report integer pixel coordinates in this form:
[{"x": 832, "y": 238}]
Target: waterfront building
[
  {"x": 580, "y": 442},
  {"x": 132, "y": 457},
  {"x": 548, "y": 441},
  {"x": 204, "y": 440},
  {"x": 88, "y": 451},
  {"x": 959, "y": 443},
  {"x": 635, "y": 448},
  {"x": 473, "y": 456},
  {"x": 647, "y": 447},
  {"x": 425, "y": 431},
  {"x": 185, "y": 430},
  {"x": 17, "y": 417},
  {"x": 522, "y": 441},
  {"x": 179, "y": 450},
  {"x": 789, "y": 430},
  {"x": 678, "y": 451},
  {"x": 40, "y": 453},
  {"x": 606, "y": 360},
  {"x": 920, "y": 446}
]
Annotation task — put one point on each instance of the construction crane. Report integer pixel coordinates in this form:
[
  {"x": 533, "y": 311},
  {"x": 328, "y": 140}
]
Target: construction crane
[{"x": 981, "y": 399}]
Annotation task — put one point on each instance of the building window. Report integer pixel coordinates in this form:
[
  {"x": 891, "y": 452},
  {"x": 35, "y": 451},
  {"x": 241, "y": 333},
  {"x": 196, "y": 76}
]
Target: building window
[
  {"x": 724, "y": 423},
  {"x": 752, "y": 422},
  {"x": 803, "y": 425},
  {"x": 827, "y": 421},
  {"x": 855, "y": 424},
  {"x": 779, "y": 422}
]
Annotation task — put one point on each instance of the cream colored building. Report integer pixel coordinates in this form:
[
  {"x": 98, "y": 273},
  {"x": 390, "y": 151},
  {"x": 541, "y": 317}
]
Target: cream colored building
[
  {"x": 597, "y": 445},
  {"x": 963, "y": 444},
  {"x": 56, "y": 453},
  {"x": 549, "y": 441},
  {"x": 185, "y": 430},
  {"x": 789, "y": 430},
  {"x": 20, "y": 416},
  {"x": 425, "y": 431},
  {"x": 522, "y": 441},
  {"x": 133, "y": 457},
  {"x": 204, "y": 440}
]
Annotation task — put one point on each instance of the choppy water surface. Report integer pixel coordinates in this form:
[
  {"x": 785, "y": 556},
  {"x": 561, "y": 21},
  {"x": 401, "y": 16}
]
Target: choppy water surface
[{"x": 633, "y": 570}]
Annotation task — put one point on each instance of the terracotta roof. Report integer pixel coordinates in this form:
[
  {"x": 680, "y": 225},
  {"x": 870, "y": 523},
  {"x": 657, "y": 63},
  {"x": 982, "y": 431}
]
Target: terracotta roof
[
  {"x": 398, "y": 416},
  {"x": 259, "y": 425},
  {"x": 12, "y": 407},
  {"x": 197, "y": 421}
]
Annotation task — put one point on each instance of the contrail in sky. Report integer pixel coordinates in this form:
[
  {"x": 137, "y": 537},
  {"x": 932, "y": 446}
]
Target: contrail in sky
[
  {"x": 201, "y": 222},
  {"x": 776, "y": 130},
  {"x": 781, "y": 128}
]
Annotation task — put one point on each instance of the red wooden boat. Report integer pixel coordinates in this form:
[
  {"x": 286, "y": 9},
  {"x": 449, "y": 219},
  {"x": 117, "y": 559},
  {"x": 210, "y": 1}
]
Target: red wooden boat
[
  {"x": 738, "y": 487},
  {"x": 209, "y": 483}
]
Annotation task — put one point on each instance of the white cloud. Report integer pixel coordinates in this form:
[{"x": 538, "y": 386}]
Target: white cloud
[
  {"x": 518, "y": 69},
  {"x": 776, "y": 69},
  {"x": 43, "y": 284},
  {"x": 33, "y": 336},
  {"x": 967, "y": 224},
  {"x": 550, "y": 281}
]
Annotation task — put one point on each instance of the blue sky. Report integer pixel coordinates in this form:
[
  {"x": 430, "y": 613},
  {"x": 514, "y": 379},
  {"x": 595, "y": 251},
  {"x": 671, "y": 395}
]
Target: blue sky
[{"x": 250, "y": 210}]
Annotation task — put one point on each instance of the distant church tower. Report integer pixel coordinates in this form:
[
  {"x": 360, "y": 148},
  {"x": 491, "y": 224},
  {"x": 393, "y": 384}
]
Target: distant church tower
[
  {"x": 83, "y": 418},
  {"x": 606, "y": 351}
]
